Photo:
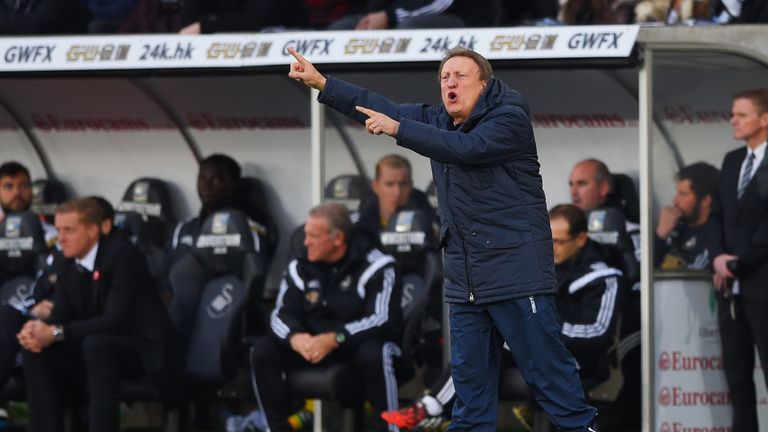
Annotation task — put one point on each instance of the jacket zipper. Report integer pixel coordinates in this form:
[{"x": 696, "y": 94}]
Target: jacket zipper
[
  {"x": 466, "y": 268},
  {"x": 463, "y": 242}
]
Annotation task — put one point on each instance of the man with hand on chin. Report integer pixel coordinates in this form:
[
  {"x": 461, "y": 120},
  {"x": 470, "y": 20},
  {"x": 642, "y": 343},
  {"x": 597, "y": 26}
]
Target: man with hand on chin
[{"x": 499, "y": 271}]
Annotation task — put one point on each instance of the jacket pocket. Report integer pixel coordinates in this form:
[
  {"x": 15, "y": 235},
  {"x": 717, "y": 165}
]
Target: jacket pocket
[{"x": 490, "y": 238}]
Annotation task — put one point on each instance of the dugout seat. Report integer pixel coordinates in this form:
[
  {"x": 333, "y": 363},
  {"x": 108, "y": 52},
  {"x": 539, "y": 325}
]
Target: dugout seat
[
  {"x": 252, "y": 200},
  {"x": 22, "y": 246},
  {"x": 46, "y": 195},
  {"x": 147, "y": 215},
  {"x": 211, "y": 286},
  {"x": 624, "y": 196},
  {"x": 349, "y": 190}
]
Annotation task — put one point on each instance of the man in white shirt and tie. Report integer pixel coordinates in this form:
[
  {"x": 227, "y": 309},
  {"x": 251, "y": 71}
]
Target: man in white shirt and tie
[{"x": 739, "y": 243}]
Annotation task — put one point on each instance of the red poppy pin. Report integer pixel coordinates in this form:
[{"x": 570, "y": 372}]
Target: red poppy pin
[{"x": 96, "y": 275}]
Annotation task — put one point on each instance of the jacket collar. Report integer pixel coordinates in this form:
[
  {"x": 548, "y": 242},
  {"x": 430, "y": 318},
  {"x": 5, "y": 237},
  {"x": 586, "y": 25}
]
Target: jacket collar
[
  {"x": 89, "y": 260},
  {"x": 496, "y": 94}
]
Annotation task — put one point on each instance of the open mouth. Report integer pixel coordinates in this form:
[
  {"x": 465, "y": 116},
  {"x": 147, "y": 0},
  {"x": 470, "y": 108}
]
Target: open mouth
[{"x": 452, "y": 96}]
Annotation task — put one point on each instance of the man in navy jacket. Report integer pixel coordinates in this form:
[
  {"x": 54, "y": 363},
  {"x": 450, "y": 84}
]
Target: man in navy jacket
[{"x": 499, "y": 271}]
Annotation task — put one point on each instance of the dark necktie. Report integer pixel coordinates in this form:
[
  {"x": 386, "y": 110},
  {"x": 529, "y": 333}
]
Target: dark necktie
[{"x": 745, "y": 176}]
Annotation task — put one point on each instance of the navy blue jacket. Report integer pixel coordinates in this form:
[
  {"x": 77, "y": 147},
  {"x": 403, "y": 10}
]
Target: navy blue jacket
[{"x": 494, "y": 221}]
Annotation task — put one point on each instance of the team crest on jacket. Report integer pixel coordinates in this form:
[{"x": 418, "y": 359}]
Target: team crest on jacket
[
  {"x": 312, "y": 296},
  {"x": 313, "y": 291},
  {"x": 690, "y": 244},
  {"x": 346, "y": 283}
]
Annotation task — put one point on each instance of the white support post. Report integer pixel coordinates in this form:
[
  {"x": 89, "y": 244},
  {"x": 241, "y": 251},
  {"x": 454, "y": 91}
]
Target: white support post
[
  {"x": 317, "y": 416},
  {"x": 646, "y": 240},
  {"x": 318, "y": 181},
  {"x": 318, "y": 147}
]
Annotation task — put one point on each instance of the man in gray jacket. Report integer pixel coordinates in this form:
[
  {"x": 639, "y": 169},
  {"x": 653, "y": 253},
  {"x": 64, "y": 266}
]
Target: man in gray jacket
[{"x": 499, "y": 269}]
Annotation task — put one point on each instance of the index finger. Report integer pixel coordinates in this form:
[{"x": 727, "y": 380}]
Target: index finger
[
  {"x": 297, "y": 56},
  {"x": 366, "y": 111}
]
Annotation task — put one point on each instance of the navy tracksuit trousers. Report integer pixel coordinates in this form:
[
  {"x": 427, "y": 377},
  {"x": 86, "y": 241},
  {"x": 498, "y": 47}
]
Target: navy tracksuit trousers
[{"x": 531, "y": 328}]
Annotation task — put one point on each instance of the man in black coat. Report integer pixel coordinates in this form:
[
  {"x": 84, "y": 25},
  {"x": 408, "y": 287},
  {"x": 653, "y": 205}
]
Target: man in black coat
[
  {"x": 107, "y": 324},
  {"x": 739, "y": 236}
]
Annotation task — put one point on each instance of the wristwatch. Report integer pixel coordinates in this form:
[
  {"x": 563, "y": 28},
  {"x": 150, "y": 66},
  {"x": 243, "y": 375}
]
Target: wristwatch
[
  {"x": 58, "y": 333},
  {"x": 340, "y": 338}
]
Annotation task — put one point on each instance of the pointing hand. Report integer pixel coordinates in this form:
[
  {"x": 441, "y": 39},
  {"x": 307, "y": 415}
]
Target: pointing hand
[{"x": 303, "y": 70}]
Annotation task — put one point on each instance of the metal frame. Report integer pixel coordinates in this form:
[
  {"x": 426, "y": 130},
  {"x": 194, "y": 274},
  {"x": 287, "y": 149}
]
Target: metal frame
[
  {"x": 317, "y": 136},
  {"x": 645, "y": 128},
  {"x": 650, "y": 52},
  {"x": 31, "y": 137},
  {"x": 155, "y": 97}
]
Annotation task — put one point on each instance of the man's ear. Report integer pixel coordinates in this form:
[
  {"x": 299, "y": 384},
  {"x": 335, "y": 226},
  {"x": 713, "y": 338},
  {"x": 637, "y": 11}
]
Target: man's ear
[
  {"x": 581, "y": 239},
  {"x": 94, "y": 230},
  {"x": 605, "y": 189},
  {"x": 764, "y": 120},
  {"x": 339, "y": 239},
  {"x": 375, "y": 186},
  {"x": 106, "y": 226}
]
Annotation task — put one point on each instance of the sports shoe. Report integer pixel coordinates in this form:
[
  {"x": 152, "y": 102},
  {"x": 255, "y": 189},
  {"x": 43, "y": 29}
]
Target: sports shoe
[
  {"x": 406, "y": 418},
  {"x": 434, "y": 424},
  {"x": 524, "y": 414}
]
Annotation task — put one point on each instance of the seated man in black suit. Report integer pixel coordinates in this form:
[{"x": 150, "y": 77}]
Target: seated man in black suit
[
  {"x": 338, "y": 302},
  {"x": 39, "y": 304},
  {"x": 107, "y": 324}
]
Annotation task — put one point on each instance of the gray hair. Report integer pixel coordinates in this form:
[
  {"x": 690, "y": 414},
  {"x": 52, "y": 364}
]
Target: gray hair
[
  {"x": 486, "y": 71},
  {"x": 337, "y": 216}
]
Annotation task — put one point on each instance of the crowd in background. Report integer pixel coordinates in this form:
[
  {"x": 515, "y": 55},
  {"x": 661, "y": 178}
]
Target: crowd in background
[{"x": 208, "y": 16}]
